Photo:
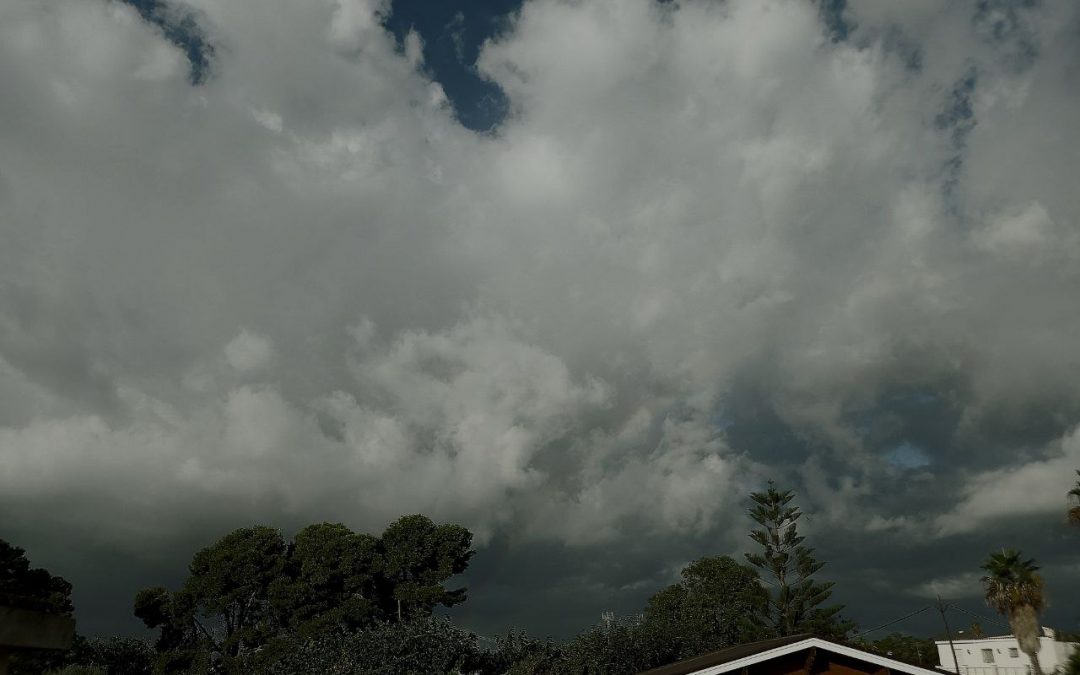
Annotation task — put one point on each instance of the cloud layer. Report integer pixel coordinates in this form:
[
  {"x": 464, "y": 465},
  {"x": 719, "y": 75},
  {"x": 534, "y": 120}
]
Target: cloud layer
[{"x": 710, "y": 244}]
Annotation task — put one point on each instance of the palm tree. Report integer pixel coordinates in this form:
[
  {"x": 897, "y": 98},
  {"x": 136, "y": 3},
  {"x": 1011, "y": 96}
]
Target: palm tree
[
  {"x": 1074, "y": 509},
  {"x": 1015, "y": 590}
]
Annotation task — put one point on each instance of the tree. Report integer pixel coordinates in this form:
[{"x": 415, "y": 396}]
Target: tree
[
  {"x": 1015, "y": 589},
  {"x": 1074, "y": 509},
  {"x": 708, "y": 609},
  {"x": 114, "y": 656},
  {"x": 794, "y": 604},
  {"x": 913, "y": 650},
  {"x": 417, "y": 558},
  {"x": 230, "y": 583},
  {"x": 428, "y": 645},
  {"x": 251, "y": 591},
  {"x": 172, "y": 613},
  {"x": 31, "y": 588},
  {"x": 612, "y": 647},
  {"x": 519, "y": 654},
  {"x": 329, "y": 580},
  {"x": 224, "y": 606}
]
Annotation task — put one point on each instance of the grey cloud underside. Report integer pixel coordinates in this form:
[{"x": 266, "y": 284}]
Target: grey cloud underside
[{"x": 712, "y": 243}]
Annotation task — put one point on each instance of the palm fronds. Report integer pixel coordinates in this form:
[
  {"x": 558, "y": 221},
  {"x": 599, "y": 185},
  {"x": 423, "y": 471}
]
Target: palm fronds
[{"x": 1012, "y": 582}]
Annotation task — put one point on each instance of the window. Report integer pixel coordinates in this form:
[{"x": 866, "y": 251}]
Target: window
[
  {"x": 988, "y": 655},
  {"x": 1014, "y": 652}
]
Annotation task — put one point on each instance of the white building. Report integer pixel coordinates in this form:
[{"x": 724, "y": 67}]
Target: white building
[{"x": 1002, "y": 655}]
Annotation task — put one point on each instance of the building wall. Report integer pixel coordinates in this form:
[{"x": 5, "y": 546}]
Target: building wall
[{"x": 1005, "y": 657}]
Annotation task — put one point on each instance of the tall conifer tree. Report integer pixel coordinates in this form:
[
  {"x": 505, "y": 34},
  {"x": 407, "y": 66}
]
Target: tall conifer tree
[{"x": 795, "y": 599}]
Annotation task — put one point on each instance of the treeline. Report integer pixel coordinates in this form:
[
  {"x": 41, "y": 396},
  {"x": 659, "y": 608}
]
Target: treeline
[
  {"x": 336, "y": 601},
  {"x": 252, "y": 595}
]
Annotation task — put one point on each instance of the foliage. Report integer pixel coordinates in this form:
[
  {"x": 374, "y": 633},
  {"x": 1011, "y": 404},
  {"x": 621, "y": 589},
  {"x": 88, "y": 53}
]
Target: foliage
[
  {"x": 418, "y": 556},
  {"x": 519, "y": 654},
  {"x": 224, "y": 605},
  {"x": 250, "y": 590},
  {"x": 708, "y": 609},
  {"x": 430, "y": 645},
  {"x": 541, "y": 663},
  {"x": 705, "y": 611},
  {"x": 914, "y": 650},
  {"x": 1012, "y": 582},
  {"x": 173, "y": 614},
  {"x": 613, "y": 647},
  {"x": 78, "y": 670},
  {"x": 329, "y": 580},
  {"x": 31, "y": 588},
  {"x": 229, "y": 583},
  {"x": 795, "y": 604},
  {"x": 1014, "y": 588},
  {"x": 113, "y": 656}
]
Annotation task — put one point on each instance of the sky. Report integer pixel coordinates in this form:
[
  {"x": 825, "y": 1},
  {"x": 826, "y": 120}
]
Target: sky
[{"x": 577, "y": 275}]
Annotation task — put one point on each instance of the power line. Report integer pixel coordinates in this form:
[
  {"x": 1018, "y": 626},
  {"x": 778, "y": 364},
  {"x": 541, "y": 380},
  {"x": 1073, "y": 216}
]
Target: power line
[
  {"x": 980, "y": 616},
  {"x": 884, "y": 625}
]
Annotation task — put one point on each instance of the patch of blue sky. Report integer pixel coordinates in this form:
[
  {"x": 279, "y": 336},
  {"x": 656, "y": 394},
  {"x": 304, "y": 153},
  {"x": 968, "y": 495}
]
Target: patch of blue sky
[
  {"x": 453, "y": 31},
  {"x": 908, "y": 455},
  {"x": 180, "y": 26}
]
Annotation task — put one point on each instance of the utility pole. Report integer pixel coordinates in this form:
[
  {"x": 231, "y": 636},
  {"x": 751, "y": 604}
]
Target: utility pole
[{"x": 948, "y": 633}]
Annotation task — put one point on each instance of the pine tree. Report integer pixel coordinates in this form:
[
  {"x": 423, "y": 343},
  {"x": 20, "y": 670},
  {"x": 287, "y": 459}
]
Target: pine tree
[{"x": 795, "y": 599}]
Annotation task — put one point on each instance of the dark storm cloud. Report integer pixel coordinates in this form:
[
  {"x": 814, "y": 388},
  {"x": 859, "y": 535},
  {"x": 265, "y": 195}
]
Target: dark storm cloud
[{"x": 711, "y": 243}]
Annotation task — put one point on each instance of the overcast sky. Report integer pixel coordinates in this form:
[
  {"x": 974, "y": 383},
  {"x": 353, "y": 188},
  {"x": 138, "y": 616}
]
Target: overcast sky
[{"x": 577, "y": 275}]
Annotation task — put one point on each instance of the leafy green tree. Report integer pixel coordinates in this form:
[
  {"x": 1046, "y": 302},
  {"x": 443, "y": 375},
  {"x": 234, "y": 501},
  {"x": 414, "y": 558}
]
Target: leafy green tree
[
  {"x": 250, "y": 591},
  {"x": 230, "y": 584},
  {"x": 1015, "y": 589},
  {"x": 224, "y": 606},
  {"x": 32, "y": 588},
  {"x": 329, "y": 580},
  {"x": 914, "y": 650},
  {"x": 28, "y": 587},
  {"x": 426, "y": 645},
  {"x": 418, "y": 556},
  {"x": 708, "y": 609},
  {"x": 173, "y": 614},
  {"x": 547, "y": 662},
  {"x": 1074, "y": 508},
  {"x": 75, "y": 669},
  {"x": 519, "y": 654},
  {"x": 796, "y": 602},
  {"x": 612, "y": 647},
  {"x": 113, "y": 656}
]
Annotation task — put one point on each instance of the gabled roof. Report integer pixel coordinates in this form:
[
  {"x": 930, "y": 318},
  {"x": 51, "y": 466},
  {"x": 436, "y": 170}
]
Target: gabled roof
[{"x": 736, "y": 658}]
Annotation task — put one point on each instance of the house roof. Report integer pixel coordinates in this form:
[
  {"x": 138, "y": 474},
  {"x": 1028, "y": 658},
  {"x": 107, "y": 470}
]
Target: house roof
[
  {"x": 735, "y": 658},
  {"x": 968, "y": 641},
  {"x": 725, "y": 655}
]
